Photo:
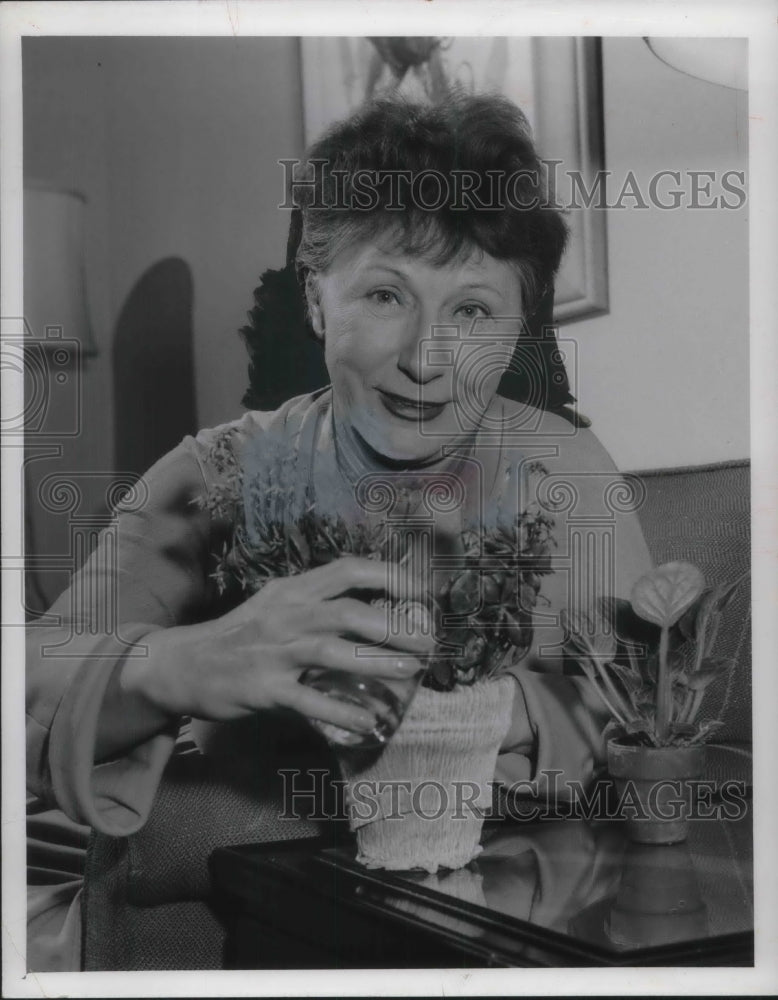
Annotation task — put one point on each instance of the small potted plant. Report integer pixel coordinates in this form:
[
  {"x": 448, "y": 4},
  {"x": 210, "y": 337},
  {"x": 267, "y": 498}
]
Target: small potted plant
[
  {"x": 437, "y": 737},
  {"x": 446, "y": 748},
  {"x": 651, "y": 661}
]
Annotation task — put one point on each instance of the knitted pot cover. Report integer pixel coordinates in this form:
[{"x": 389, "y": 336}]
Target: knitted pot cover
[{"x": 421, "y": 803}]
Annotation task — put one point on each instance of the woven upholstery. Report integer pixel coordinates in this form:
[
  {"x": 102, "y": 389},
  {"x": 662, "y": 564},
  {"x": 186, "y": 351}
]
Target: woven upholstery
[
  {"x": 151, "y": 890},
  {"x": 119, "y": 935}
]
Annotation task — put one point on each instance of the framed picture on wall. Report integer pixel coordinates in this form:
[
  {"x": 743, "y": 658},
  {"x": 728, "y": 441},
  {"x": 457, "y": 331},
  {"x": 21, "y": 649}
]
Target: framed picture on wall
[{"x": 557, "y": 82}]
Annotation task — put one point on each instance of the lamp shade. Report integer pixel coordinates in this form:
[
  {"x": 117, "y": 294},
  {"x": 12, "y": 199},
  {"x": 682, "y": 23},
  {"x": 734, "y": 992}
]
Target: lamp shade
[
  {"x": 714, "y": 60},
  {"x": 54, "y": 266}
]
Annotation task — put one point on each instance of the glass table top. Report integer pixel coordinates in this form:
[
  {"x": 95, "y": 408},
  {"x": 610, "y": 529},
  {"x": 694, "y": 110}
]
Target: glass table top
[{"x": 586, "y": 881}]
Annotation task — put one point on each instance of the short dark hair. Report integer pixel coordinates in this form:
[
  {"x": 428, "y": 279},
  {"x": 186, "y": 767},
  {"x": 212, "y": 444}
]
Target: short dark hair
[{"x": 485, "y": 137}]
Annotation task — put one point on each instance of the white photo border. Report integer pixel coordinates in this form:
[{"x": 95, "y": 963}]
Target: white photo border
[{"x": 755, "y": 20}]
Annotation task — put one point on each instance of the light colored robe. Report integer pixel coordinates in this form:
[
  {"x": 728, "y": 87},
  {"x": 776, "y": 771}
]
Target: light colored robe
[{"x": 151, "y": 570}]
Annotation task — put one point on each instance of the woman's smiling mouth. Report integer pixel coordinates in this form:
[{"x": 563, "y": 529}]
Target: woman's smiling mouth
[{"x": 410, "y": 409}]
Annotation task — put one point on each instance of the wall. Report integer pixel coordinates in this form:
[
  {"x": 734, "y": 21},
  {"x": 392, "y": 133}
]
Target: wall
[
  {"x": 175, "y": 143},
  {"x": 664, "y": 375},
  {"x": 193, "y": 171},
  {"x": 65, "y": 143}
]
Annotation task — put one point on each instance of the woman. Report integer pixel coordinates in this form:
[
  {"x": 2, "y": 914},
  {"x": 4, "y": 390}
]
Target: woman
[{"x": 418, "y": 301}]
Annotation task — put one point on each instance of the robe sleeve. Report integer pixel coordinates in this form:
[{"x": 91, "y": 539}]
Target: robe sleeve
[
  {"x": 149, "y": 570},
  {"x": 555, "y": 743},
  {"x": 558, "y": 719}
]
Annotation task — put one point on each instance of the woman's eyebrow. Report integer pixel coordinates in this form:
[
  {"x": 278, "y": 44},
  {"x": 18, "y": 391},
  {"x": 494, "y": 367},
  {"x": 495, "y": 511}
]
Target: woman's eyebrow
[
  {"x": 387, "y": 268},
  {"x": 464, "y": 286},
  {"x": 484, "y": 286}
]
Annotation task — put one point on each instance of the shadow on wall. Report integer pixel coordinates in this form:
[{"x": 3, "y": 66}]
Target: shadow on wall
[{"x": 153, "y": 366}]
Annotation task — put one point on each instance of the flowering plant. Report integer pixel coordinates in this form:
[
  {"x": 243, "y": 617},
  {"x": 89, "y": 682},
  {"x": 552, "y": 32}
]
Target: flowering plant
[
  {"x": 483, "y": 611},
  {"x": 650, "y": 658}
]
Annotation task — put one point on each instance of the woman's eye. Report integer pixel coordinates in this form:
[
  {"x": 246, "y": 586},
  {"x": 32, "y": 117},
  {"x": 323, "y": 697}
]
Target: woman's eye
[
  {"x": 383, "y": 297},
  {"x": 471, "y": 310}
]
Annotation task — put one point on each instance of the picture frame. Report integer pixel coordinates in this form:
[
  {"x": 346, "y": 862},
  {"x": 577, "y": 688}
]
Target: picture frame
[{"x": 556, "y": 81}]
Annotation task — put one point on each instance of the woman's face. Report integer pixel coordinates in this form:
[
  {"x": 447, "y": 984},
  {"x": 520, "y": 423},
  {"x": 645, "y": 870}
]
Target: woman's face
[{"x": 414, "y": 351}]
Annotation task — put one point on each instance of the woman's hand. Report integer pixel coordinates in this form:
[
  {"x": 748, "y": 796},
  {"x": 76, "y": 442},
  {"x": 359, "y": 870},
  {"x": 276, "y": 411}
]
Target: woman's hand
[{"x": 253, "y": 657}]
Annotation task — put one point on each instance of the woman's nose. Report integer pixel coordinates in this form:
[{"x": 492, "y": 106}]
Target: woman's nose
[{"x": 415, "y": 360}]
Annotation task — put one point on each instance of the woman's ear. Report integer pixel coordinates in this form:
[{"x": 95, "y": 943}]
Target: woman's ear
[{"x": 313, "y": 300}]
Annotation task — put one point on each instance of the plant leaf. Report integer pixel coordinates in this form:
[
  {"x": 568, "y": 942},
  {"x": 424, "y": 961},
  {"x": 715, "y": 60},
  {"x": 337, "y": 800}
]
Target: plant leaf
[
  {"x": 686, "y": 624},
  {"x": 665, "y": 593},
  {"x": 588, "y": 636},
  {"x": 706, "y": 730},
  {"x": 711, "y": 603},
  {"x": 635, "y": 726},
  {"x": 702, "y": 613},
  {"x": 694, "y": 619},
  {"x": 576, "y": 643},
  {"x": 650, "y": 669},
  {"x": 645, "y": 699},
  {"x": 720, "y": 599},
  {"x": 630, "y": 680},
  {"x": 710, "y": 670},
  {"x": 683, "y": 729},
  {"x": 613, "y": 729},
  {"x": 730, "y": 589},
  {"x": 297, "y": 540},
  {"x": 675, "y": 664},
  {"x": 464, "y": 593}
]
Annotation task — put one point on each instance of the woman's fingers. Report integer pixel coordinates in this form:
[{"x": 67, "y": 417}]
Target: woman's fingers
[
  {"x": 305, "y": 621},
  {"x": 374, "y": 625},
  {"x": 316, "y": 705},
  {"x": 339, "y": 654},
  {"x": 355, "y": 573}
]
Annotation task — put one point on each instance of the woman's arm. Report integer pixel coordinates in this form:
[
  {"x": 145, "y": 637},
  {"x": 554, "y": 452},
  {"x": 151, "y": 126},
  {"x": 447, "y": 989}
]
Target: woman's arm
[
  {"x": 132, "y": 654},
  {"x": 600, "y": 550},
  {"x": 94, "y": 751}
]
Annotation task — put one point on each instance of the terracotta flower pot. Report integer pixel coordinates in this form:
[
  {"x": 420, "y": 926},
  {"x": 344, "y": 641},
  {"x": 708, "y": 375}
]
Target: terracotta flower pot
[
  {"x": 421, "y": 802},
  {"x": 653, "y": 788}
]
